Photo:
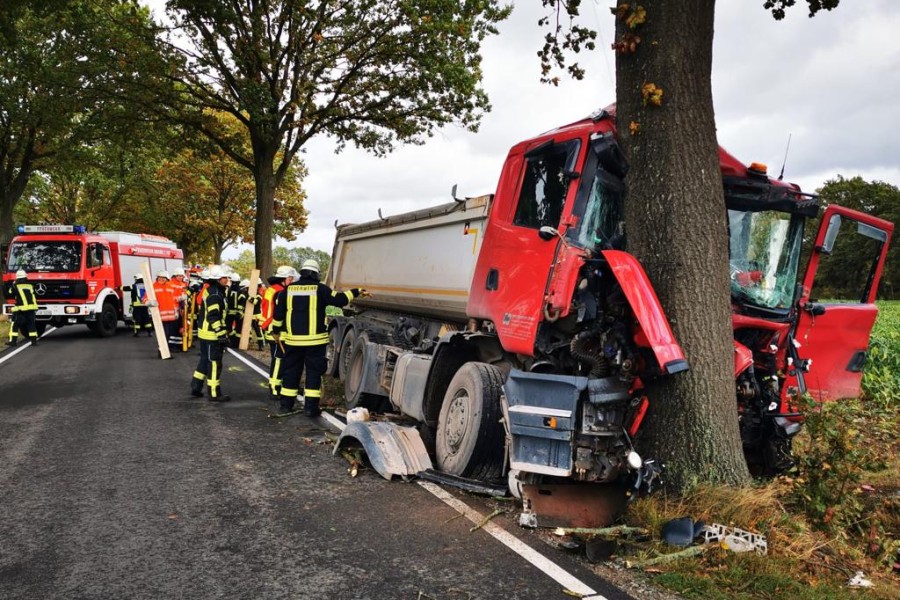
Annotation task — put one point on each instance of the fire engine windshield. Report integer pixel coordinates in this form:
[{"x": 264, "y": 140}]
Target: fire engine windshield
[
  {"x": 45, "y": 256},
  {"x": 764, "y": 256}
]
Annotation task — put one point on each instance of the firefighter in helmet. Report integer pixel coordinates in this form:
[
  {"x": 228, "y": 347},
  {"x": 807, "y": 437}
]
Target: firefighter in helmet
[
  {"x": 140, "y": 312},
  {"x": 299, "y": 323},
  {"x": 283, "y": 277},
  {"x": 23, "y": 317},
  {"x": 213, "y": 336}
]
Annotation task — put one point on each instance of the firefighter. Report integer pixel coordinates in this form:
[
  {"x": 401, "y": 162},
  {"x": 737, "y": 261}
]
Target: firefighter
[
  {"x": 213, "y": 337},
  {"x": 299, "y": 323},
  {"x": 235, "y": 310},
  {"x": 140, "y": 312},
  {"x": 283, "y": 277},
  {"x": 179, "y": 286},
  {"x": 168, "y": 309},
  {"x": 23, "y": 318},
  {"x": 258, "y": 334}
]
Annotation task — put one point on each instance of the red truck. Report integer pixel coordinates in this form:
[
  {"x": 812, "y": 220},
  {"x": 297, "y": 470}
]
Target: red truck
[
  {"x": 516, "y": 329},
  {"x": 78, "y": 275}
]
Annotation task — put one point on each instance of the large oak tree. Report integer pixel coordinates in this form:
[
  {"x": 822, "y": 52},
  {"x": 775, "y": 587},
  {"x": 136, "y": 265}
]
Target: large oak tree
[
  {"x": 370, "y": 72},
  {"x": 676, "y": 219}
]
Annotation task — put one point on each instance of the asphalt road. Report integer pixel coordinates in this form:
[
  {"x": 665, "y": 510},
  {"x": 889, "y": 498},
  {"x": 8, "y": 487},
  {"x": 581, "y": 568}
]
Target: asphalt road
[{"x": 116, "y": 484}]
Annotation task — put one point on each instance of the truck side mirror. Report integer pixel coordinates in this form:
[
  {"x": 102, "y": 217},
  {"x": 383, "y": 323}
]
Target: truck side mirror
[
  {"x": 547, "y": 233},
  {"x": 834, "y": 225}
]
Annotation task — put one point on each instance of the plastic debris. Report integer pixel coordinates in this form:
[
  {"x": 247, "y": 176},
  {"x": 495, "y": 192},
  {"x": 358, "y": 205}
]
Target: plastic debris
[
  {"x": 734, "y": 539},
  {"x": 681, "y": 532},
  {"x": 859, "y": 580},
  {"x": 357, "y": 415}
]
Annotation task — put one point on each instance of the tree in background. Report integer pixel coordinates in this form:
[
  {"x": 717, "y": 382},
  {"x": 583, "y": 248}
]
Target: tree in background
[
  {"x": 205, "y": 201},
  {"x": 282, "y": 255},
  {"x": 61, "y": 82},
  {"x": 837, "y": 276},
  {"x": 371, "y": 72},
  {"x": 676, "y": 218}
]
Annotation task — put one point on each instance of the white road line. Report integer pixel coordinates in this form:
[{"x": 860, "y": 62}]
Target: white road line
[
  {"x": 249, "y": 363},
  {"x": 547, "y": 566},
  {"x": 27, "y": 344},
  {"x": 550, "y": 568}
]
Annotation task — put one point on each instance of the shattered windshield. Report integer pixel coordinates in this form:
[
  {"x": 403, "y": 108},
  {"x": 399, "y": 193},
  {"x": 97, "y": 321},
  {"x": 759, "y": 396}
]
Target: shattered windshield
[
  {"x": 764, "y": 254},
  {"x": 44, "y": 256},
  {"x": 602, "y": 221}
]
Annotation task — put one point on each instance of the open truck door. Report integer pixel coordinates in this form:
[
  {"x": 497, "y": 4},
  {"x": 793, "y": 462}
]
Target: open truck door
[{"x": 837, "y": 306}]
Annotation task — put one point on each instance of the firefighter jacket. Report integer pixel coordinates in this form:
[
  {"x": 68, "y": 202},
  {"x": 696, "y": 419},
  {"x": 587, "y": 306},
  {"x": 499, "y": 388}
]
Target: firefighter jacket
[
  {"x": 234, "y": 307},
  {"x": 300, "y": 311},
  {"x": 165, "y": 300},
  {"x": 267, "y": 305},
  {"x": 138, "y": 293},
  {"x": 211, "y": 320},
  {"x": 25, "y": 298}
]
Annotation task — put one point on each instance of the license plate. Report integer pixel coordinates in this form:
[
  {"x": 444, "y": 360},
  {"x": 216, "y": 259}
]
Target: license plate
[{"x": 42, "y": 313}]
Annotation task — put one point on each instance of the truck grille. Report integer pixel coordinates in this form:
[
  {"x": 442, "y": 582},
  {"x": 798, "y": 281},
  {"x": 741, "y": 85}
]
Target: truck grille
[{"x": 60, "y": 289}]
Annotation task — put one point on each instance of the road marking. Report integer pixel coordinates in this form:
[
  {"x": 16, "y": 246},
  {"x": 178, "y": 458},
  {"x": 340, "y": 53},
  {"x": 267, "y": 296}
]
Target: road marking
[
  {"x": 547, "y": 566},
  {"x": 27, "y": 344},
  {"x": 550, "y": 568}
]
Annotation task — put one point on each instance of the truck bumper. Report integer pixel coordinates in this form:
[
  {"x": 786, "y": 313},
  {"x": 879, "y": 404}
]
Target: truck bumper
[{"x": 47, "y": 312}]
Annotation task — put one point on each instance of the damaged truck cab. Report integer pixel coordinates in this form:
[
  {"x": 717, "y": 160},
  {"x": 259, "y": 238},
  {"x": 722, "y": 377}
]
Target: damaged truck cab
[{"x": 517, "y": 331}]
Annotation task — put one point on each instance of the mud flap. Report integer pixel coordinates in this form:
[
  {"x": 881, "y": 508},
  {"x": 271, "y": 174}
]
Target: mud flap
[{"x": 391, "y": 449}]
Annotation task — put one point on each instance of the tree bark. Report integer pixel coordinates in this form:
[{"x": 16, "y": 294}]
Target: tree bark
[
  {"x": 265, "y": 212},
  {"x": 677, "y": 228}
]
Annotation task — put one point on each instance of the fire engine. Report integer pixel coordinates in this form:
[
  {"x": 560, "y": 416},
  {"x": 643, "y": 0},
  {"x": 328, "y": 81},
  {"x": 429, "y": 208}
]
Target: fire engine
[{"x": 78, "y": 275}]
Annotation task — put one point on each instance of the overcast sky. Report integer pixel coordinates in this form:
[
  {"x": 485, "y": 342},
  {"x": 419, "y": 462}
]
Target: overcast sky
[{"x": 833, "y": 82}]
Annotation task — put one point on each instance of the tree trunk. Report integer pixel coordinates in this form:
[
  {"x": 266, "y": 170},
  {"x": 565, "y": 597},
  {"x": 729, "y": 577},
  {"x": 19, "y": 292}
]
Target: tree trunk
[
  {"x": 7, "y": 227},
  {"x": 265, "y": 213},
  {"x": 677, "y": 229}
]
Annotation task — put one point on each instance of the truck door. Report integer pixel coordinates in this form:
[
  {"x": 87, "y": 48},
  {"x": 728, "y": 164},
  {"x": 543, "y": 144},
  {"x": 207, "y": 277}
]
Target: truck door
[
  {"x": 515, "y": 262},
  {"x": 838, "y": 304}
]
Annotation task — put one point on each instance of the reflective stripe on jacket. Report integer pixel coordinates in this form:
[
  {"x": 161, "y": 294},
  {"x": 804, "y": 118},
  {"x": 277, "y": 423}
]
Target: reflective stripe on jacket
[
  {"x": 300, "y": 312},
  {"x": 267, "y": 308},
  {"x": 211, "y": 321},
  {"x": 165, "y": 300},
  {"x": 25, "y": 298}
]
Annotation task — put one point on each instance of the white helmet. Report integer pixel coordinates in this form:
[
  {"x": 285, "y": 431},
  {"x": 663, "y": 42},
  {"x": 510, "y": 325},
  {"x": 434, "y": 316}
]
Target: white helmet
[
  {"x": 244, "y": 283},
  {"x": 164, "y": 274},
  {"x": 217, "y": 272},
  {"x": 235, "y": 277},
  {"x": 286, "y": 271},
  {"x": 21, "y": 274},
  {"x": 138, "y": 275},
  {"x": 204, "y": 274},
  {"x": 310, "y": 264},
  {"x": 178, "y": 271}
]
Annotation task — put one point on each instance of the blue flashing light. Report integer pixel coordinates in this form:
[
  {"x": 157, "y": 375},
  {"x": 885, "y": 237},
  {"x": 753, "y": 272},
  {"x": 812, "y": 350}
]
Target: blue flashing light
[
  {"x": 20, "y": 229},
  {"x": 80, "y": 229}
]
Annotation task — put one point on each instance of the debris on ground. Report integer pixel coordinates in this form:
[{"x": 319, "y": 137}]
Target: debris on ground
[
  {"x": 859, "y": 580},
  {"x": 734, "y": 539}
]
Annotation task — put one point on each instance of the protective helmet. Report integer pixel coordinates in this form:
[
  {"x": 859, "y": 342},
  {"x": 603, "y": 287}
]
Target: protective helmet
[
  {"x": 21, "y": 274},
  {"x": 204, "y": 274},
  {"x": 217, "y": 272},
  {"x": 310, "y": 264},
  {"x": 178, "y": 271},
  {"x": 164, "y": 274},
  {"x": 244, "y": 283},
  {"x": 138, "y": 276},
  {"x": 285, "y": 271},
  {"x": 235, "y": 277}
]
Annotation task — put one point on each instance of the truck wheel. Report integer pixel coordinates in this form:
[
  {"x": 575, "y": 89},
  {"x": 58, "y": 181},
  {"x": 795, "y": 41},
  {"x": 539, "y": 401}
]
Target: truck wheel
[
  {"x": 356, "y": 373},
  {"x": 332, "y": 352},
  {"x": 343, "y": 365},
  {"x": 470, "y": 436},
  {"x": 107, "y": 321}
]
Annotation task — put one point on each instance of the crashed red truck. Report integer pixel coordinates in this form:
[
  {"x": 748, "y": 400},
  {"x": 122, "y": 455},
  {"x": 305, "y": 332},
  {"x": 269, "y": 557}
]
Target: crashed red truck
[
  {"x": 517, "y": 331},
  {"x": 78, "y": 275}
]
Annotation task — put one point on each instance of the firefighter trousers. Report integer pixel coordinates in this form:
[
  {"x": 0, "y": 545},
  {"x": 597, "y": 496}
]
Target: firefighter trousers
[
  {"x": 295, "y": 359},
  {"x": 23, "y": 322},
  {"x": 141, "y": 317},
  {"x": 276, "y": 367},
  {"x": 209, "y": 368}
]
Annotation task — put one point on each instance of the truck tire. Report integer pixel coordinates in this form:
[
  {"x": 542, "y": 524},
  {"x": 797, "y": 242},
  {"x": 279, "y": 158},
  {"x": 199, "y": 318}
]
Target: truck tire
[
  {"x": 344, "y": 354},
  {"x": 107, "y": 320},
  {"x": 332, "y": 352},
  {"x": 356, "y": 373},
  {"x": 470, "y": 437}
]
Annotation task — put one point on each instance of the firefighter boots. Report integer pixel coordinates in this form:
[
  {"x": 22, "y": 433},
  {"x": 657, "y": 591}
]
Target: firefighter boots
[
  {"x": 11, "y": 343},
  {"x": 311, "y": 407}
]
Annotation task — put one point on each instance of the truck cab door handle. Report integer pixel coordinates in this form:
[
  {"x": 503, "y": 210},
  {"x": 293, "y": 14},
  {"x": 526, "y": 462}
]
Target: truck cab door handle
[{"x": 493, "y": 280}]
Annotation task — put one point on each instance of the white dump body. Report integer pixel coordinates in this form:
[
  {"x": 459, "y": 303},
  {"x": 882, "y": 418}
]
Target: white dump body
[{"x": 419, "y": 262}]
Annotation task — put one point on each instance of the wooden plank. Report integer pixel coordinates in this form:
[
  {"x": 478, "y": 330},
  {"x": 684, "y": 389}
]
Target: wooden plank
[
  {"x": 161, "y": 340},
  {"x": 247, "y": 325}
]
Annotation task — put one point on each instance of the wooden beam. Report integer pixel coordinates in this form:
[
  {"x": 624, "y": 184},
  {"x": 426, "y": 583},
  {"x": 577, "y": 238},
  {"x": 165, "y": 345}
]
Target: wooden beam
[
  {"x": 158, "y": 328},
  {"x": 247, "y": 325}
]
